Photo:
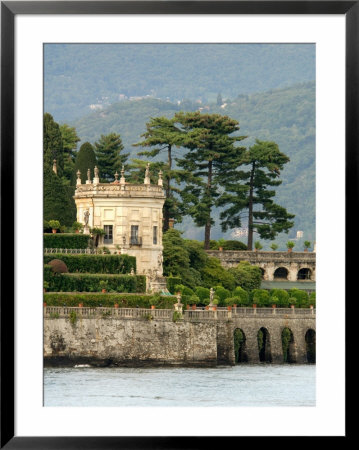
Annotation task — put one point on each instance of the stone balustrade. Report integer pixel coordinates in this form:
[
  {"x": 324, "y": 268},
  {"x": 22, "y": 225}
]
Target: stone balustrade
[{"x": 167, "y": 314}]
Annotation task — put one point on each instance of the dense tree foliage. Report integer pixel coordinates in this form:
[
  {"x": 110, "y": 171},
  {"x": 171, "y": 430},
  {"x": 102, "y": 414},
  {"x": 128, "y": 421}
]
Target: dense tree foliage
[
  {"x": 69, "y": 144},
  {"x": 52, "y": 144},
  {"x": 109, "y": 157},
  {"x": 247, "y": 276},
  {"x": 250, "y": 191},
  {"x": 58, "y": 204}
]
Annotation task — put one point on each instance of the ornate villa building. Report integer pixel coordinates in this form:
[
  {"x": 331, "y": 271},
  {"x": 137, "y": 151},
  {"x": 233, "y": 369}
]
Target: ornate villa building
[{"x": 130, "y": 215}]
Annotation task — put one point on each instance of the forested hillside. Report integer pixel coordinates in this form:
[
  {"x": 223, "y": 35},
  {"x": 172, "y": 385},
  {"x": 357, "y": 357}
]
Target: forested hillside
[
  {"x": 286, "y": 116},
  {"x": 80, "y": 75}
]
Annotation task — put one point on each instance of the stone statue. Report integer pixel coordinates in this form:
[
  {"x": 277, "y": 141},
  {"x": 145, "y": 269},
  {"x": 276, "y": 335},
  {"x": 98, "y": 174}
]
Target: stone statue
[
  {"x": 178, "y": 296},
  {"x": 159, "y": 259},
  {"x": 89, "y": 175},
  {"x": 96, "y": 172},
  {"x": 86, "y": 217},
  {"x": 211, "y": 295},
  {"x": 147, "y": 174}
]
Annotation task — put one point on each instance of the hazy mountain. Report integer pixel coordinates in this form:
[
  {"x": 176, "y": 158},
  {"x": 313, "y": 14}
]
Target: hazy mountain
[{"x": 78, "y": 77}]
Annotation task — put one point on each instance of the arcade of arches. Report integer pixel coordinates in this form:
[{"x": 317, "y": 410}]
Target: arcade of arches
[{"x": 287, "y": 350}]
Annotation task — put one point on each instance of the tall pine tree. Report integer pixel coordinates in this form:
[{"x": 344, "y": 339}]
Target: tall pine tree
[
  {"x": 212, "y": 154},
  {"x": 247, "y": 191},
  {"x": 109, "y": 156},
  {"x": 161, "y": 137}
]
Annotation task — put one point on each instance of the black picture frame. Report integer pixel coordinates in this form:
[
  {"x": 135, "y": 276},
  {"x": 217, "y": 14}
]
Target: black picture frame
[{"x": 9, "y": 9}]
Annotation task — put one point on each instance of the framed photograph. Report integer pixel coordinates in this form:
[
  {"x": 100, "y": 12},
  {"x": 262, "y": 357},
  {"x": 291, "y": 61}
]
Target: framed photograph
[{"x": 159, "y": 162}]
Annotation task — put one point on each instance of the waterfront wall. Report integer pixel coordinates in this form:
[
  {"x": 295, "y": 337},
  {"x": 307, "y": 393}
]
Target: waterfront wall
[
  {"x": 139, "y": 337},
  {"x": 132, "y": 342}
]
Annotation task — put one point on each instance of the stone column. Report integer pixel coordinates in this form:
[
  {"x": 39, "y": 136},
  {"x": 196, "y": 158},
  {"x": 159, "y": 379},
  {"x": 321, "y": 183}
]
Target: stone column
[
  {"x": 275, "y": 336},
  {"x": 300, "y": 346},
  {"x": 293, "y": 272},
  {"x": 269, "y": 272},
  {"x": 251, "y": 345}
]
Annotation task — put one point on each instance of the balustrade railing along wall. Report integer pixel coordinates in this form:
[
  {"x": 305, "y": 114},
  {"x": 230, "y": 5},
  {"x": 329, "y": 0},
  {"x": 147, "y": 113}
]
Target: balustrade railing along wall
[{"x": 167, "y": 314}]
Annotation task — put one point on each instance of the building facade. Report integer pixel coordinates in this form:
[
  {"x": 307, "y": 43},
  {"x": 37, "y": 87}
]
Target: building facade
[{"x": 130, "y": 214}]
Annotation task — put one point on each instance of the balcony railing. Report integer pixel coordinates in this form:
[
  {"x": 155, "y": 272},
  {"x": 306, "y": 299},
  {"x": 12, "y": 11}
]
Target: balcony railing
[{"x": 135, "y": 240}]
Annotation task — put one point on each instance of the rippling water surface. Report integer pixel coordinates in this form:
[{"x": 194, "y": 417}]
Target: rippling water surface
[{"x": 241, "y": 385}]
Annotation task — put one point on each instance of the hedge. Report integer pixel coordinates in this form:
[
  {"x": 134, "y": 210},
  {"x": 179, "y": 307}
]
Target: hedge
[
  {"x": 109, "y": 300},
  {"x": 172, "y": 282},
  {"x": 66, "y": 240},
  {"x": 95, "y": 263},
  {"x": 88, "y": 282}
]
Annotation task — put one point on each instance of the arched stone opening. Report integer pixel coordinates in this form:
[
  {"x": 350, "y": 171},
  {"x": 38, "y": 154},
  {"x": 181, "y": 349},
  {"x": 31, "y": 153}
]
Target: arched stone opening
[
  {"x": 263, "y": 273},
  {"x": 310, "y": 345},
  {"x": 281, "y": 274},
  {"x": 304, "y": 274},
  {"x": 288, "y": 346},
  {"x": 240, "y": 353},
  {"x": 264, "y": 349}
]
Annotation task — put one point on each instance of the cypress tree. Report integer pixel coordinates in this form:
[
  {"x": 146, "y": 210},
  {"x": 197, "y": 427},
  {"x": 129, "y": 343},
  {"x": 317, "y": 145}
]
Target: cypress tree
[
  {"x": 85, "y": 159},
  {"x": 69, "y": 141},
  {"x": 58, "y": 203},
  {"x": 52, "y": 144}
]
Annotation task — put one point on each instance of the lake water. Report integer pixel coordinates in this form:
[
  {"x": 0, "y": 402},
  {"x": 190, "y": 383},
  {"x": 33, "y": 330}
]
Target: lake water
[{"x": 241, "y": 385}]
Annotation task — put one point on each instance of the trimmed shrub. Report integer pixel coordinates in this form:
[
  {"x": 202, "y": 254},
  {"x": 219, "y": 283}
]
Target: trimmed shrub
[
  {"x": 66, "y": 240},
  {"x": 95, "y": 263},
  {"x": 230, "y": 301},
  {"x": 261, "y": 297},
  {"x": 301, "y": 297},
  {"x": 109, "y": 300},
  {"x": 58, "y": 266},
  {"x": 282, "y": 297},
  {"x": 234, "y": 245},
  {"x": 222, "y": 294},
  {"x": 242, "y": 295},
  {"x": 202, "y": 293},
  {"x": 172, "y": 282},
  {"x": 88, "y": 282},
  {"x": 48, "y": 273},
  {"x": 312, "y": 299}
]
